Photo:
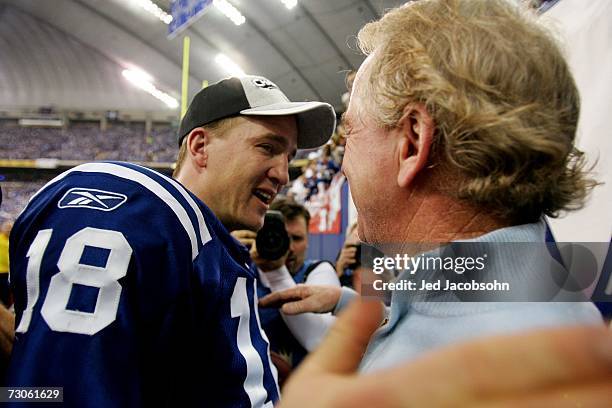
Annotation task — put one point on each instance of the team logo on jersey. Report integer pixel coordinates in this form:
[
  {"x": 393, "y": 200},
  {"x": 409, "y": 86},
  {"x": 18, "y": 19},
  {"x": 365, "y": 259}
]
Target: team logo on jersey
[{"x": 91, "y": 198}]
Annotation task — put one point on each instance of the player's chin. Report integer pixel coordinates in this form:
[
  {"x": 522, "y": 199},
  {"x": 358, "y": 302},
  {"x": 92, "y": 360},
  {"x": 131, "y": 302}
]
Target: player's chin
[
  {"x": 255, "y": 220},
  {"x": 256, "y": 215},
  {"x": 257, "y": 226}
]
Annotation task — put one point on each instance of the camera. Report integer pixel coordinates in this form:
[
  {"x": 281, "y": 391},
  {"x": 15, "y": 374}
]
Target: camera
[{"x": 272, "y": 239}]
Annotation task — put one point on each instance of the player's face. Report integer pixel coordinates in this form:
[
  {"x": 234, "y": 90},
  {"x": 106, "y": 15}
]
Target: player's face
[
  {"x": 298, "y": 232},
  {"x": 247, "y": 166},
  {"x": 370, "y": 162}
]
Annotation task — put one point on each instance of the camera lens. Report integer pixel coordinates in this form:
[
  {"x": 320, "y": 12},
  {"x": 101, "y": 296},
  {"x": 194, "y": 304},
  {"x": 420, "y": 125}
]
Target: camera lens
[{"x": 272, "y": 239}]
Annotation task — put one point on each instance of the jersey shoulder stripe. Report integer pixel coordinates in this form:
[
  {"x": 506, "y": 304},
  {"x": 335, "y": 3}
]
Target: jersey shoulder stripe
[
  {"x": 170, "y": 183},
  {"x": 121, "y": 170}
]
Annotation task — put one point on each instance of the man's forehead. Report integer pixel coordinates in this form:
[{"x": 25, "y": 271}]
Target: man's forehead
[
  {"x": 262, "y": 130},
  {"x": 356, "y": 91},
  {"x": 296, "y": 224},
  {"x": 363, "y": 70}
]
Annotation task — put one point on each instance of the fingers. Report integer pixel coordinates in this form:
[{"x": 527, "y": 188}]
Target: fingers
[
  {"x": 342, "y": 349},
  {"x": 315, "y": 299},
  {"x": 304, "y": 299},
  {"x": 349, "y": 253},
  {"x": 518, "y": 364},
  {"x": 347, "y": 257},
  {"x": 246, "y": 237},
  {"x": 281, "y": 303},
  {"x": 277, "y": 299},
  {"x": 308, "y": 304},
  {"x": 238, "y": 234}
]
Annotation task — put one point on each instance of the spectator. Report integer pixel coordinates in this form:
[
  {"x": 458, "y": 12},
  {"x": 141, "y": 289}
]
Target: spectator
[
  {"x": 291, "y": 336},
  {"x": 126, "y": 283},
  {"x": 348, "y": 260},
  {"x": 298, "y": 189}
]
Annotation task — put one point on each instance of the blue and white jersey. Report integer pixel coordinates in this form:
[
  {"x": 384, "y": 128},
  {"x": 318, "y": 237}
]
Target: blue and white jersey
[{"x": 130, "y": 292}]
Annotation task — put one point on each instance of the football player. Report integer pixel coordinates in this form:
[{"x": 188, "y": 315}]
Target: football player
[{"x": 129, "y": 289}]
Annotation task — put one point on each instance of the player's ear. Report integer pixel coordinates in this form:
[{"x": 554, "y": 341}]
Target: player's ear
[
  {"x": 416, "y": 129},
  {"x": 197, "y": 145}
]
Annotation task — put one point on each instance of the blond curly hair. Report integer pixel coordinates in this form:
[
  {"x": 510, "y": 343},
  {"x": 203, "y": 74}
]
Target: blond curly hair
[{"x": 500, "y": 92}]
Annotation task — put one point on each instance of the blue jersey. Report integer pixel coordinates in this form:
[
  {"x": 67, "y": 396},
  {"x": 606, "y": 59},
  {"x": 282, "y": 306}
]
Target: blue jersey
[{"x": 130, "y": 292}]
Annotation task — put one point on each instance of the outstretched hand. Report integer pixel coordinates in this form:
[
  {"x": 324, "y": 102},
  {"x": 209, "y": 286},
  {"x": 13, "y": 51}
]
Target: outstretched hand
[{"x": 303, "y": 299}]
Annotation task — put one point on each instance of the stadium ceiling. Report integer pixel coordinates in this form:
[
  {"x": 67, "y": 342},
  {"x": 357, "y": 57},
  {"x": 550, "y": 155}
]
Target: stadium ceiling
[{"x": 69, "y": 54}]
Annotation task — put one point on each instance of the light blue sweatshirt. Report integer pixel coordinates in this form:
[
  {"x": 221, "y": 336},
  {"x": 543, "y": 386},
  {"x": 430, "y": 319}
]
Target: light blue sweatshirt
[{"x": 415, "y": 327}]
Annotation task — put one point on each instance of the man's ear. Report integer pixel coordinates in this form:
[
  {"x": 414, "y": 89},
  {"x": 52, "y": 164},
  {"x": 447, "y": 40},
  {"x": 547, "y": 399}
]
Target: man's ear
[
  {"x": 417, "y": 130},
  {"x": 197, "y": 145}
]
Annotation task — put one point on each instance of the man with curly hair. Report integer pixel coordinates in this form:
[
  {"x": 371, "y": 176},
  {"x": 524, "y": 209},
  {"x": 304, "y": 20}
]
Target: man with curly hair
[{"x": 460, "y": 129}]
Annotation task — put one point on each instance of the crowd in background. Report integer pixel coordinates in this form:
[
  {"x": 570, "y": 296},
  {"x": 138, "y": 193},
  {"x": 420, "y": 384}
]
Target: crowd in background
[
  {"x": 15, "y": 196},
  {"x": 127, "y": 142},
  {"x": 318, "y": 169},
  {"x": 86, "y": 141}
]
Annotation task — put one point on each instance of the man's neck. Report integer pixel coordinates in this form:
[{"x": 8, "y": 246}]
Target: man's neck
[
  {"x": 430, "y": 218},
  {"x": 440, "y": 218}
]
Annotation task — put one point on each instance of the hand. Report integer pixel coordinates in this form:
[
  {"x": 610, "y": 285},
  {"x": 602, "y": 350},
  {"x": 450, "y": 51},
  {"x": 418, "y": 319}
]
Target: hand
[
  {"x": 565, "y": 367},
  {"x": 303, "y": 299},
  {"x": 348, "y": 256},
  {"x": 248, "y": 238}
]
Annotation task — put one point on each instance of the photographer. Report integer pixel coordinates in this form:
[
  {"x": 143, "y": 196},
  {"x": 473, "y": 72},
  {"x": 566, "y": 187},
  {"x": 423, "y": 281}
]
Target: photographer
[
  {"x": 290, "y": 336},
  {"x": 348, "y": 261}
]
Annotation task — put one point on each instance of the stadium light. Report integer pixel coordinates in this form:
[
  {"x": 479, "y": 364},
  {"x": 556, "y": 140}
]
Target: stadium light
[
  {"x": 289, "y": 3},
  {"x": 228, "y": 65},
  {"x": 154, "y": 9},
  {"x": 230, "y": 11},
  {"x": 142, "y": 80}
]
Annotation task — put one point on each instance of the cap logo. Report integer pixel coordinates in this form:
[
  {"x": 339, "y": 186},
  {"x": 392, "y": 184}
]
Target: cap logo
[{"x": 264, "y": 83}]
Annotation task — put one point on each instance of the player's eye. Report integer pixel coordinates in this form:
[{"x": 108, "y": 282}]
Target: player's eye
[{"x": 267, "y": 147}]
